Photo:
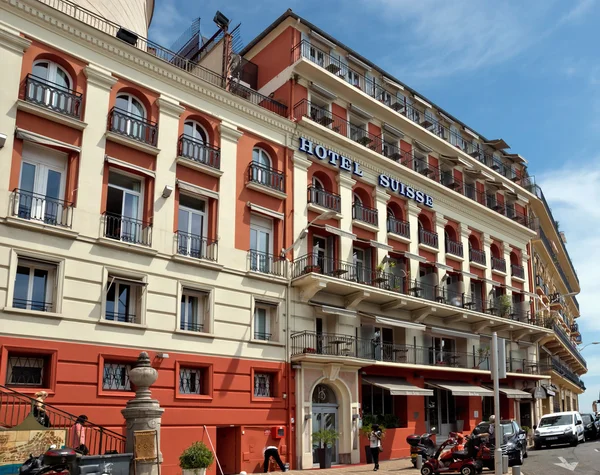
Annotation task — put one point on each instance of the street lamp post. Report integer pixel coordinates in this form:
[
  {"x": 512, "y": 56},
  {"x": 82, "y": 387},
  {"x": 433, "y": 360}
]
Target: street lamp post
[{"x": 592, "y": 343}]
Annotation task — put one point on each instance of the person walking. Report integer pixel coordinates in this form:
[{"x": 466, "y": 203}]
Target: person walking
[
  {"x": 272, "y": 451},
  {"x": 375, "y": 444},
  {"x": 78, "y": 435}
]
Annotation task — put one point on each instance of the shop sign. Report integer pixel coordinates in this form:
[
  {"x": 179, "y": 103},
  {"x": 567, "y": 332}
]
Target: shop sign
[
  {"x": 344, "y": 163},
  {"x": 539, "y": 393}
]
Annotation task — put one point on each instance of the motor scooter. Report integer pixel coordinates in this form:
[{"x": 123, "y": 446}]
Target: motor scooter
[
  {"x": 55, "y": 461},
  {"x": 422, "y": 445},
  {"x": 464, "y": 462}
]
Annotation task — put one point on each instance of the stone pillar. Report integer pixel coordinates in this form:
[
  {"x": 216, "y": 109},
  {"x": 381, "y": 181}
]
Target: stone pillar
[
  {"x": 346, "y": 185},
  {"x": 12, "y": 48},
  {"x": 506, "y": 256},
  {"x": 487, "y": 242},
  {"x": 440, "y": 227},
  {"x": 143, "y": 412},
  {"x": 228, "y": 195},
  {"x": 91, "y": 161},
  {"x": 465, "y": 232},
  {"x": 381, "y": 199},
  {"x": 170, "y": 111},
  {"x": 413, "y": 221},
  {"x": 300, "y": 200}
]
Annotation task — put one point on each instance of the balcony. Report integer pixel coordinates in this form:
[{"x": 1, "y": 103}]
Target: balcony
[
  {"x": 313, "y": 344},
  {"x": 132, "y": 231},
  {"x": 52, "y": 96},
  {"x": 566, "y": 372},
  {"x": 517, "y": 271},
  {"x": 428, "y": 238},
  {"x": 267, "y": 177},
  {"x": 324, "y": 199},
  {"x": 132, "y": 126},
  {"x": 199, "y": 152},
  {"x": 364, "y": 215},
  {"x": 41, "y": 208},
  {"x": 575, "y": 328},
  {"x": 539, "y": 283},
  {"x": 519, "y": 365},
  {"x": 256, "y": 98},
  {"x": 388, "y": 98},
  {"x": 499, "y": 264},
  {"x": 195, "y": 246},
  {"x": 398, "y": 227},
  {"x": 375, "y": 143},
  {"x": 265, "y": 263},
  {"x": 453, "y": 247},
  {"x": 477, "y": 257},
  {"x": 566, "y": 341}
]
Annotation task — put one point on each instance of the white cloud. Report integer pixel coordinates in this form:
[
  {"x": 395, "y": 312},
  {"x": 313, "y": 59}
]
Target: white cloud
[{"x": 168, "y": 22}]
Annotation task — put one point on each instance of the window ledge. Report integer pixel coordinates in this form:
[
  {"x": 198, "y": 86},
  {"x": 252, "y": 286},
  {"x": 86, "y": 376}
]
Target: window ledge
[
  {"x": 187, "y": 162},
  {"x": 50, "y": 115},
  {"x": 198, "y": 262},
  {"x": 268, "y": 277},
  {"x": 115, "y": 393},
  {"x": 30, "y": 390},
  {"x": 499, "y": 272},
  {"x": 266, "y": 190},
  {"x": 32, "y": 313},
  {"x": 194, "y": 397},
  {"x": 267, "y": 342},
  {"x": 478, "y": 265},
  {"x": 41, "y": 227},
  {"x": 321, "y": 210},
  {"x": 366, "y": 226},
  {"x": 398, "y": 237},
  {"x": 455, "y": 257},
  {"x": 137, "y": 326},
  {"x": 518, "y": 279},
  {"x": 196, "y": 334},
  {"x": 266, "y": 399},
  {"x": 425, "y": 247},
  {"x": 121, "y": 139},
  {"x": 127, "y": 246}
]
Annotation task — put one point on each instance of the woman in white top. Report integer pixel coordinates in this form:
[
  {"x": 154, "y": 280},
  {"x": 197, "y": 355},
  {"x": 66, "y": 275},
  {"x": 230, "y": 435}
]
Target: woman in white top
[{"x": 375, "y": 444}]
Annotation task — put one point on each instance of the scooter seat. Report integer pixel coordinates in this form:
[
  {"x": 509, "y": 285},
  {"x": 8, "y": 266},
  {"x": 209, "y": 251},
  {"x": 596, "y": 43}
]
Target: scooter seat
[{"x": 461, "y": 455}]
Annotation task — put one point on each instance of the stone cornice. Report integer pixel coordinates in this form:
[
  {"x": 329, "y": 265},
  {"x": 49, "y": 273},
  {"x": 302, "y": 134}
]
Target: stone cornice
[
  {"x": 170, "y": 106},
  {"x": 11, "y": 40},
  {"x": 230, "y": 132},
  {"x": 99, "y": 77},
  {"x": 149, "y": 64}
]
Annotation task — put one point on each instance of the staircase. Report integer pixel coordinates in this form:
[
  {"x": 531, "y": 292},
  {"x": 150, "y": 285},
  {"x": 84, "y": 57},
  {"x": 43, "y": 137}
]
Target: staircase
[{"x": 16, "y": 406}]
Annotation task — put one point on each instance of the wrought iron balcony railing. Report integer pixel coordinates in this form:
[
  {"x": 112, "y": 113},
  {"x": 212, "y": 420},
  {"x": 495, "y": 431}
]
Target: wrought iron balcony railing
[
  {"x": 199, "y": 152},
  {"x": 399, "y": 227},
  {"x": 266, "y": 176},
  {"x": 262, "y": 336},
  {"x": 566, "y": 340},
  {"x": 338, "y": 67},
  {"x": 47, "y": 210},
  {"x": 477, "y": 257},
  {"x": 364, "y": 214},
  {"x": 191, "y": 326},
  {"x": 566, "y": 372},
  {"x": 196, "y": 246},
  {"x": 428, "y": 238},
  {"x": 128, "y": 230},
  {"x": 453, "y": 247},
  {"x": 132, "y": 126},
  {"x": 53, "y": 96},
  {"x": 325, "y": 199},
  {"x": 266, "y": 263},
  {"x": 517, "y": 271},
  {"x": 257, "y": 98},
  {"x": 499, "y": 264}
]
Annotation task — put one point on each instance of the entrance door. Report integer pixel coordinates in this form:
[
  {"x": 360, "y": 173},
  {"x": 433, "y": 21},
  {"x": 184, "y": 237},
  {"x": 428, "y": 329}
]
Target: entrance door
[
  {"x": 324, "y": 416},
  {"x": 228, "y": 449},
  {"x": 441, "y": 412}
]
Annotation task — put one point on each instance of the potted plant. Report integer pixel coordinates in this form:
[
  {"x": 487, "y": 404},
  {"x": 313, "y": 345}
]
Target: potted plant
[
  {"x": 314, "y": 268},
  {"x": 309, "y": 350},
  {"x": 325, "y": 438},
  {"x": 196, "y": 459},
  {"x": 504, "y": 304}
]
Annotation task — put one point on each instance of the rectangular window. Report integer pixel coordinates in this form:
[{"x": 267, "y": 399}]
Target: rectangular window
[
  {"x": 354, "y": 78},
  {"x": 124, "y": 209},
  {"x": 116, "y": 376},
  {"x": 192, "y": 227},
  {"x": 26, "y": 370},
  {"x": 124, "y": 300},
  {"x": 264, "y": 321},
  {"x": 192, "y": 381},
  {"x": 194, "y": 310},
  {"x": 263, "y": 385},
  {"x": 35, "y": 284}
]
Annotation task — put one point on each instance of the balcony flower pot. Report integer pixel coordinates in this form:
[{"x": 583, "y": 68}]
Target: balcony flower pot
[
  {"x": 309, "y": 269},
  {"x": 196, "y": 459},
  {"x": 309, "y": 350}
]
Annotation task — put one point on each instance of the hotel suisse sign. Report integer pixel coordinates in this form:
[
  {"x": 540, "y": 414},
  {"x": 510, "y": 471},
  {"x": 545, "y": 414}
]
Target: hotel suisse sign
[{"x": 344, "y": 163}]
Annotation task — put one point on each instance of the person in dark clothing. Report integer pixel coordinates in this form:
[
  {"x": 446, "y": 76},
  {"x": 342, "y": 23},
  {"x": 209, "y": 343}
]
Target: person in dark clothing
[
  {"x": 375, "y": 444},
  {"x": 271, "y": 451}
]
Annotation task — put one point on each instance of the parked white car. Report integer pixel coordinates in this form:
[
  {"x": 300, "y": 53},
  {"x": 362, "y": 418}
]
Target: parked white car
[{"x": 559, "y": 428}]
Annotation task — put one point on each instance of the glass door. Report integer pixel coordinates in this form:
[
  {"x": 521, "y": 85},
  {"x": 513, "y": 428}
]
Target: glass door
[
  {"x": 319, "y": 252},
  {"x": 192, "y": 227},
  {"x": 324, "y": 417},
  {"x": 260, "y": 244},
  {"x": 123, "y": 208}
]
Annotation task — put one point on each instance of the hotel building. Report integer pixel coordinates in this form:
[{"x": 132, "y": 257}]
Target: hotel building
[{"x": 298, "y": 239}]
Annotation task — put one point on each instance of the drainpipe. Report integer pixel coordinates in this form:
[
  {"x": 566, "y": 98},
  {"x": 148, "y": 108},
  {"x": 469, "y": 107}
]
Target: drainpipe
[{"x": 288, "y": 359}]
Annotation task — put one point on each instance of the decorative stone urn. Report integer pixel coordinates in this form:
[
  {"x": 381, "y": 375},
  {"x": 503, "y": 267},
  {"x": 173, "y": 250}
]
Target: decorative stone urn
[{"x": 143, "y": 413}]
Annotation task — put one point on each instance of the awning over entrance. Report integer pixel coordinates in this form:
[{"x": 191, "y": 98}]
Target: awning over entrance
[
  {"x": 397, "y": 387},
  {"x": 461, "y": 389},
  {"x": 513, "y": 393}
]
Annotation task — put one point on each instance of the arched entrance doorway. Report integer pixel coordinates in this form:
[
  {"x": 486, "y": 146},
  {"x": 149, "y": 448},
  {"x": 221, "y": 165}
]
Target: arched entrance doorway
[{"x": 324, "y": 416}]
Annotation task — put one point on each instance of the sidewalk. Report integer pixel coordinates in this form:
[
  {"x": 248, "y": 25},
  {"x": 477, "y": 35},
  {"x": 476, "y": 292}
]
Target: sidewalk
[{"x": 391, "y": 466}]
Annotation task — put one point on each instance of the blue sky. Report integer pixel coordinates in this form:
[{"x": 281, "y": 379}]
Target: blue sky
[{"x": 527, "y": 72}]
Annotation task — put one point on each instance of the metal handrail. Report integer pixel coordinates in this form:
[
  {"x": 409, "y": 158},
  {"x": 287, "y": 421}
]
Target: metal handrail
[
  {"x": 429, "y": 238},
  {"x": 197, "y": 246},
  {"x": 198, "y": 151},
  {"x": 477, "y": 256},
  {"x": 50, "y": 95},
  {"x": 257, "y": 98},
  {"x": 132, "y": 126},
  {"x": 499, "y": 264},
  {"x": 365, "y": 214},
  {"x": 399, "y": 227},
  {"x": 266, "y": 176},
  {"x": 324, "y": 198},
  {"x": 266, "y": 263},
  {"x": 36, "y": 207},
  {"x": 454, "y": 247},
  {"x": 127, "y": 229}
]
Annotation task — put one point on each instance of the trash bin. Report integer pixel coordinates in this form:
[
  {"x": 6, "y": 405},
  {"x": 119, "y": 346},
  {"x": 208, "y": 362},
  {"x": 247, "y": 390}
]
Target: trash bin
[{"x": 116, "y": 464}]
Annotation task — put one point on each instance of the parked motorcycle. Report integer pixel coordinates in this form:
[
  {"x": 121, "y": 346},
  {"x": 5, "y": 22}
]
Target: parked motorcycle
[
  {"x": 422, "y": 445},
  {"x": 56, "y": 461},
  {"x": 465, "y": 462}
]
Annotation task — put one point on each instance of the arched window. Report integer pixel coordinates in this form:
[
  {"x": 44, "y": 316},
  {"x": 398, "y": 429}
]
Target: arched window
[
  {"x": 127, "y": 115},
  {"x": 495, "y": 251},
  {"x": 390, "y": 213},
  {"x": 261, "y": 157},
  {"x": 261, "y": 167},
  {"x": 356, "y": 199},
  {"x": 318, "y": 184},
  {"x": 51, "y": 87},
  {"x": 514, "y": 260},
  {"x": 194, "y": 130},
  {"x": 192, "y": 144}
]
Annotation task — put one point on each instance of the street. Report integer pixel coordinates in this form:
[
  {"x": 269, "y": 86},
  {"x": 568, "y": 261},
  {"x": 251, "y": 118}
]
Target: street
[{"x": 583, "y": 459}]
